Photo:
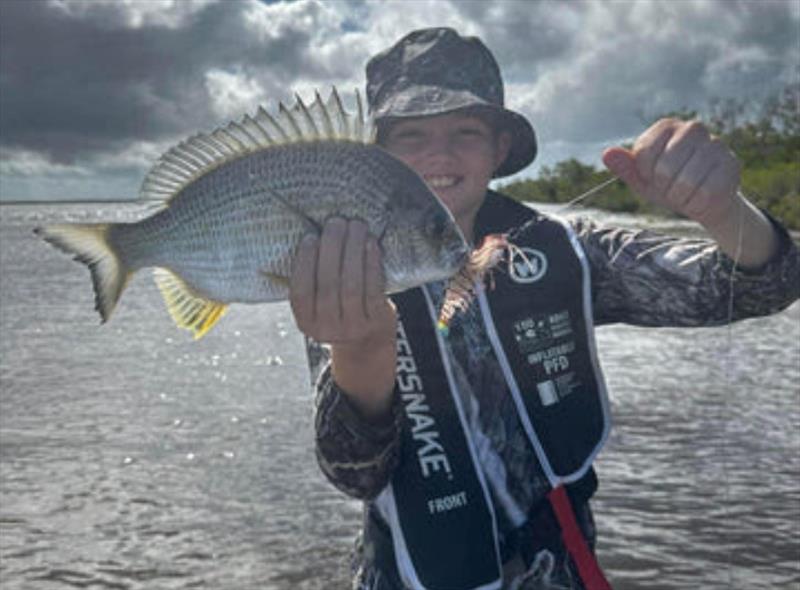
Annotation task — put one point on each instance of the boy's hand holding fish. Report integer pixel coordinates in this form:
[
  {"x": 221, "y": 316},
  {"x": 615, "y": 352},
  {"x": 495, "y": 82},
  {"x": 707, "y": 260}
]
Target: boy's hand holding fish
[
  {"x": 337, "y": 296},
  {"x": 681, "y": 166}
]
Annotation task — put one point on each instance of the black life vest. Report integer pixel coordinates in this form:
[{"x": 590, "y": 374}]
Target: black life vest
[{"x": 538, "y": 319}]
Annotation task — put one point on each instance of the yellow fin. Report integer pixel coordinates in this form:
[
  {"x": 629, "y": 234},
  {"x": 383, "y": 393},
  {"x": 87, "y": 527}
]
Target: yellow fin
[{"x": 188, "y": 310}]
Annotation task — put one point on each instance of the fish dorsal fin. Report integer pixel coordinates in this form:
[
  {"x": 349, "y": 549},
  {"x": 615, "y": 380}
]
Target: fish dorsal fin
[
  {"x": 188, "y": 309},
  {"x": 201, "y": 153}
]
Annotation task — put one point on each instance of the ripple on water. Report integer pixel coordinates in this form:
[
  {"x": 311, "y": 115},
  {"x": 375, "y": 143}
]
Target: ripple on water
[{"x": 699, "y": 483}]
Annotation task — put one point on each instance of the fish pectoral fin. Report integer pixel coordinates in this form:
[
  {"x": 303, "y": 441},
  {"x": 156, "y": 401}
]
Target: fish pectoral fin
[
  {"x": 276, "y": 278},
  {"x": 307, "y": 220},
  {"x": 188, "y": 309}
]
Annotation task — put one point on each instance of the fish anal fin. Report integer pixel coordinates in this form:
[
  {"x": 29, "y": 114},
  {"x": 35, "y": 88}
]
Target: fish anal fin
[
  {"x": 209, "y": 316},
  {"x": 188, "y": 309}
]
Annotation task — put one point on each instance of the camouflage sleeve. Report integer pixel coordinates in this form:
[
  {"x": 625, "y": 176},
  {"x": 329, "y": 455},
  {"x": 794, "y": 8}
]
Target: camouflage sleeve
[
  {"x": 357, "y": 456},
  {"x": 646, "y": 279}
]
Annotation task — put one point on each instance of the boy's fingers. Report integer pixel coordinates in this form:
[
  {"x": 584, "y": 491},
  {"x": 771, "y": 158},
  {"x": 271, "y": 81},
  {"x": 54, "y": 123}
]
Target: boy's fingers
[
  {"x": 622, "y": 164},
  {"x": 649, "y": 147},
  {"x": 302, "y": 283},
  {"x": 691, "y": 177},
  {"x": 329, "y": 267},
  {"x": 687, "y": 139},
  {"x": 374, "y": 296},
  {"x": 352, "y": 279}
]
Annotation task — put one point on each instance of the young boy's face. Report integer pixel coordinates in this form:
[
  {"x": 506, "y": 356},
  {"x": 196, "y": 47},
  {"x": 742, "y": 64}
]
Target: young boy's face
[{"x": 456, "y": 154}]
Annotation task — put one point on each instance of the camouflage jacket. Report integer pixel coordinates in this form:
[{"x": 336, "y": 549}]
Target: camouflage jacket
[{"x": 637, "y": 277}]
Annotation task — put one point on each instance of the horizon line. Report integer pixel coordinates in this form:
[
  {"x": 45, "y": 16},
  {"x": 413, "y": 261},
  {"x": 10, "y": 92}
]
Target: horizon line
[{"x": 50, "y": 201}]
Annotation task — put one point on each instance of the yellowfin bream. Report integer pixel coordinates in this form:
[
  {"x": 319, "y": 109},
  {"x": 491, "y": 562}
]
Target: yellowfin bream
[{"x": 239, "y": 200}]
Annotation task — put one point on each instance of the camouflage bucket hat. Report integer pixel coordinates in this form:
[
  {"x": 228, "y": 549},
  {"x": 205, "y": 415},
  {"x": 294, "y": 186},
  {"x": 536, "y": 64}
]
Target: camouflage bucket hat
[{"x": 437, "y": 71}]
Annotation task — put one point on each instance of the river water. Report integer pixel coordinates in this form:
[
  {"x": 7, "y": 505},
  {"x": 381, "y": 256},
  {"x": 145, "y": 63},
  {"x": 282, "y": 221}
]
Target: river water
[{"x": 132, "y": 457}]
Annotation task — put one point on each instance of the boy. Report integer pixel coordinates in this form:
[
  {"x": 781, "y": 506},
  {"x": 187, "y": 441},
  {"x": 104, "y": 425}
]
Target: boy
[{"x": 473, "y": 452}]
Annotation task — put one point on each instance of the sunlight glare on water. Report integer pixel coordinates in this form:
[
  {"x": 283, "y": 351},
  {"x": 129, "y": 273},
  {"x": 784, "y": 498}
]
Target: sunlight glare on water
[{"x": 134, "y": 457}]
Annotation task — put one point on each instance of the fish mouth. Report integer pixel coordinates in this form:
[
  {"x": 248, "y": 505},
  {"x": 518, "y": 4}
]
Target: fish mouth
[
  {"x": 458, "y": 254},
  {"x": 443, "y": 181}
]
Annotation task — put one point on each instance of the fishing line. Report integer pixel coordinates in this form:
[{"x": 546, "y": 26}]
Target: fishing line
[
  {"x": 728, "y": 363},
  {"x": 587, "y": 194},
  {"x": 728, "y": 355},
  {"x": 528, "y": 224}
]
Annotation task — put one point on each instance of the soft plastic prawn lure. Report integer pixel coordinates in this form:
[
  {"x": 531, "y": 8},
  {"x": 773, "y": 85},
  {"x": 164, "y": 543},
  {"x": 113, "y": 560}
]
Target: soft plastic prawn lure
[
  {"x": 482, "y": 262},
  {"x": 487, "y": 257}
]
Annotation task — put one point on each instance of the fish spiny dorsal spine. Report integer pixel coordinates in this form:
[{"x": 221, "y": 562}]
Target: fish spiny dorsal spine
[{"x": 198, "y": 155}]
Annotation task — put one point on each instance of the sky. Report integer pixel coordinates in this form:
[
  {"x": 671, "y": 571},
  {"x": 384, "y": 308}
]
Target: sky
[{"x": 92, "y": 92}]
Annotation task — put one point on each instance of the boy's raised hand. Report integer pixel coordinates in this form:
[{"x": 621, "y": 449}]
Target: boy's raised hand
[{"x": 680, "y": 165}]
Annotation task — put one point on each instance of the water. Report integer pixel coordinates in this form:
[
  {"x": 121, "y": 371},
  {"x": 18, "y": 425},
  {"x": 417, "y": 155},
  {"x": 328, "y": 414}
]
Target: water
[{"x": 132, "y": 457}]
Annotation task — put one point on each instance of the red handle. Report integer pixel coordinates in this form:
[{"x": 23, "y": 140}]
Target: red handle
[{"x": 588, "y": 568}]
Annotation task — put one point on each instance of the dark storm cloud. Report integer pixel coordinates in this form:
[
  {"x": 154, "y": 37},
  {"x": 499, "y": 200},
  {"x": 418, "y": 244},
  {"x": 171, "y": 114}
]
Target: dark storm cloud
[
  {"x": 601, "y": 70},
  {"x": 525, "y": 36},
  {"x": 75, "y": 84},
  {"x": 91, "y": 91}
]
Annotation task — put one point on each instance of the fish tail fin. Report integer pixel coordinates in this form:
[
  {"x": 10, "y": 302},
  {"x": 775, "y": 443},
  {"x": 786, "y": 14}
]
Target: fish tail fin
[
  {"x": 187, "y": 309},
  {"x": 89, "y": 244}
]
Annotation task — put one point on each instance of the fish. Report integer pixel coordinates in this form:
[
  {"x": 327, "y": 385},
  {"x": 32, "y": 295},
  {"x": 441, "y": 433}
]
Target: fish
[{"x": 236, "y": 203}]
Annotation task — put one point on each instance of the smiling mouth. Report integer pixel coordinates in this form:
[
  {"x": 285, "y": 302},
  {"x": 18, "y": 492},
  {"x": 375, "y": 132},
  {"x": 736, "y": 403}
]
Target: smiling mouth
[{"x": 442, "y": 181}]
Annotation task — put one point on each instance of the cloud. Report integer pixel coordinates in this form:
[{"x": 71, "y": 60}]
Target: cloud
[
  {"x": 130, "y": 14},
  {"x": 108, "y": 74},
  {"x": 232, "y": 93},
  {"x": 71, "y": 84},
  {"x": 90, "y": 88},
  {"x": 595, "y": 72},
  {"x": 23, "y": 162}
]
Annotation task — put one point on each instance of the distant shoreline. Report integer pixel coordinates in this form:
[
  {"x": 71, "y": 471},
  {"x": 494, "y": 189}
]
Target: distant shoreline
[{"x": 74, "y": 202}]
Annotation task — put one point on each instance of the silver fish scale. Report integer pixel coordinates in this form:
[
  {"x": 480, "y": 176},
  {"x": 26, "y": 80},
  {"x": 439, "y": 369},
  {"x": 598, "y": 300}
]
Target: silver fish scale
[{"x": 230, "y": 232}]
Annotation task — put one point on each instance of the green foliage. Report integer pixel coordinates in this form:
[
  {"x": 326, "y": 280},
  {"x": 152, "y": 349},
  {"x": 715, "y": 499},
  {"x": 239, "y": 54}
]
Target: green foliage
[
  {"x": 570, "y": 179},
  {"x": 767, "y": 144}
]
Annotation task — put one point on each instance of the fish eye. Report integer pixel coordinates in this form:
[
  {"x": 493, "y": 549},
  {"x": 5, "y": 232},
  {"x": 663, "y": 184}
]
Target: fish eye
[{"x": 437, "y": 223}]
